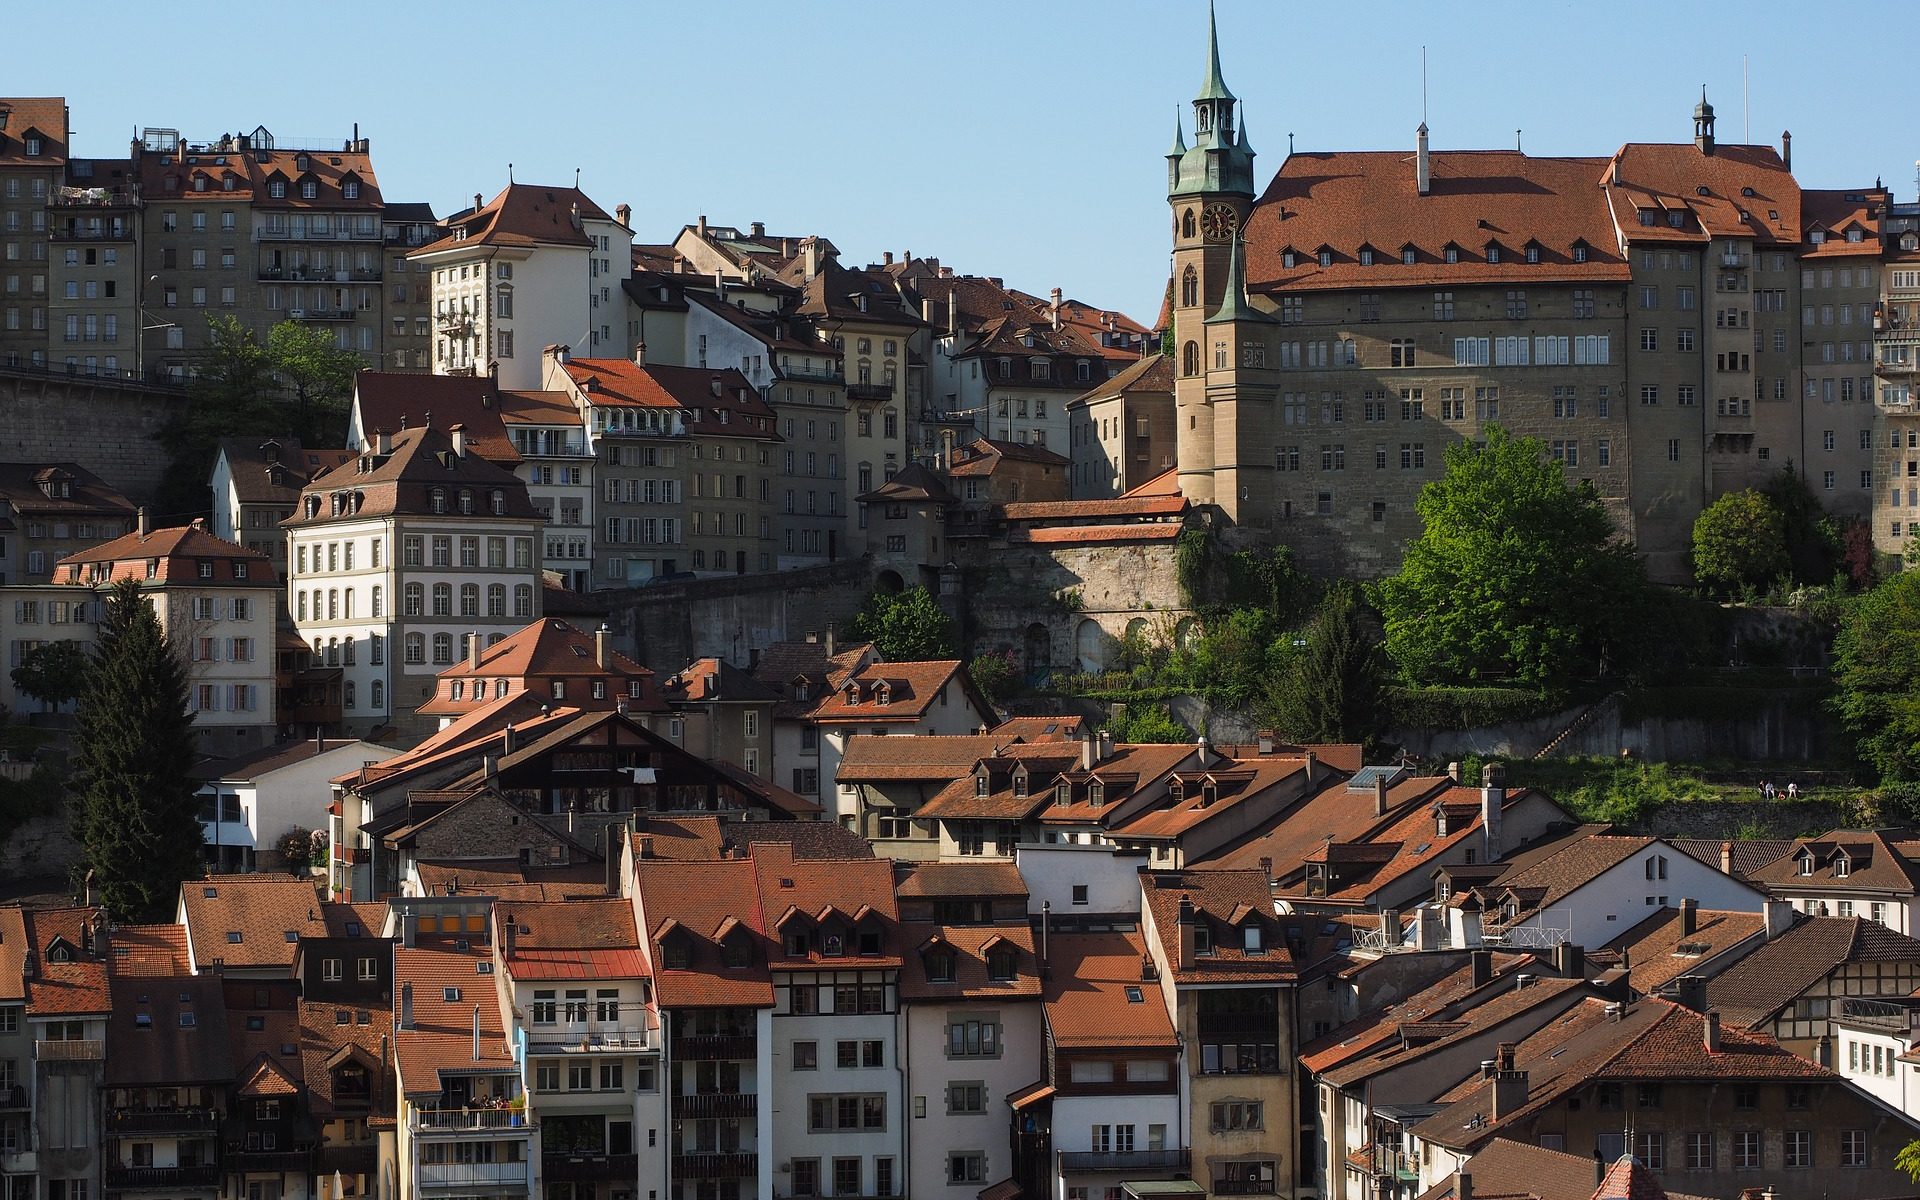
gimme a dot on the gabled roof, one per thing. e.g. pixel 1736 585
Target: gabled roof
pixel 692 900
pixel 1747 854
pixel 181 551
pixel 717 403
pixel 250 920
pixel 554 649
pixel 1064 727
pixel 961 879
pixel 272 470
pixel 1231 900
pixel 1711 188
pixel 1152 374
pixel 1753 990
pixel 911 689
pixel 389 401
pixel 874 759
pixel 45 117
pixel 87 494
pixel 522 215
pixel 912 484
pixel 981 457
pixel 1870 860
pixel 403 482
pixel 570 939
pixel 448 990
pixel 715 680
pixel 816 886
pixel 168 1030
pixel 1659 950
pixel 968 944
pixel 1557 876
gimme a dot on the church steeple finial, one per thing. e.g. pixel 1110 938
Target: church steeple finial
pixel 1215 87
pixel 1179 136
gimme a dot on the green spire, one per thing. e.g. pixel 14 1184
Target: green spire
pixel 1233 301
pixel 1179 137
pixel 1242 142
pixel 1215 88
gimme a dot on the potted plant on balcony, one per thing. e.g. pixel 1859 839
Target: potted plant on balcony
pixel 517 1109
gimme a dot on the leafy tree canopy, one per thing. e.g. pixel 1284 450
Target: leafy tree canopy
pixel 1876 676
pixel 1139 724
pixel 53 672
pixel 1516 574
pixel 906 626
pixel 1740 540
pixel 1331 688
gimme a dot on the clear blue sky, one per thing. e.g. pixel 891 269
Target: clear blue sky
pixel 1020 139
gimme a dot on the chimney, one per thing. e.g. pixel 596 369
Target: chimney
pixel 1380 794
pixel 382 442
pixel 406 1006
pixel 1503 1055
pixel 1056 308
pixel 507 739
pixel 1786 149
pixel 828 641
pixel 623 213
pixel 643 846
pixel 473 650
pixel 561 354
pixel 1571 960
pixel 1266 867
pixel 490 767
pixel 1453 771
pixel 1422 163
pixel 1726 858
pixel 145 524
pixel 1089 748
pixel 701 227
pixel 639 354
pixel 1264 740
pixel 810 256
pixel 1712 1033
pixel 1203 751
pixel 1390 931
pixel 1493 796
pixel 1462 1186
pixel 886 258
pixel 603 647
pixel 1509 1093
pixel 1106 744
pixel 476 1033
pixel 1778 918
pixel 1313 763
pixel 1046 935
pixel 476 202
pixel 1481 962
pixel 610 855
pixel 759 229
pixel 459 435
pixel 1689 916
pixel 1188 919
pixel 1691 992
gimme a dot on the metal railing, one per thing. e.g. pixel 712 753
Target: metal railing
pixel 123 1121
pixel 202 1175
pixel 468 1120
pixel 710 1047
pixel 716 1165
pixel 1125 1160
pixel 602 1041
pixel 702 1105
pixel 470 1175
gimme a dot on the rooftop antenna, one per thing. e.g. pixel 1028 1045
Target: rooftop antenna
pixel 576 178
pixel 509 174
pixel 1516 140
pixel 1423 85
pixel 1290 144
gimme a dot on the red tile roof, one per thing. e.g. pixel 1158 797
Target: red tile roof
pixel 1063 727
pixel 1753 990
pixel 858 890
pixel 570 939
pixel 1155 531
pixel 273 470
pixel 168 1030
pixel 871 758
pixel 45 116
pixel 1090 989
pixel 521 215
pixel 717 403
pixel 1353 200
pixel 442 1038
pixel 1709 188
pixel 696 900
pixel 1229 902
pixel 968 945
pixel 910 690
pixel 390 401
pixel 533 657
pixel 1657 951
pixel 181 551
pixel 268 913
pixel 36 487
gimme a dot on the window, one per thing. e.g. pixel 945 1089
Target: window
pixel 966 1099
pixel 1699 1152
pixel 1799 1148
pixel 973 1038
pixel 1233 1115
pixel 1746 1149
pixel 966 1167
pixel 1853 1147
pixel 1652 1150
pixel 806 1056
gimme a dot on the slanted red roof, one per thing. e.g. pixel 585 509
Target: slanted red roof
pixel 1090 992
pixel 522 215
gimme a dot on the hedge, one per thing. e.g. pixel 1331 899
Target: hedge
pixel 1468 707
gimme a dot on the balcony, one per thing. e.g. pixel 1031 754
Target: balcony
pixel 75 231
pixel 811 375
pixel 602 1041
pixel 561 1167
pixel 89 1050
pixel 321 314
pixel 306 235
pixel 1732 260
pixel 127 1122
pixel 466 1177
pixel 13 1099
pixel 716 1165
pixel 703 1105
pixel 94 197
pixel 153 1179
pixel 869 391
pixel 716 1047
pixel 1124 1160
pixel 348 1160
pixel 427 1122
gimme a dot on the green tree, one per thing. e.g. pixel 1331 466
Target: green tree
pixel 905 626
pixel 1138 724
pixel 1331 690
pixel 138 820
pixel 996 675
pixel 1876 676
pixel 52 673
pixel 297 383
pixel 1812 539
pixel 1516 575
pixel 1740 540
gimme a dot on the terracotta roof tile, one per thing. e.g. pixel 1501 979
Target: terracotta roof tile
pixel 1752 990
pixel 1659 952
pixel 148 950
pixel 168 1030
pixel 447 990
pixel 1119 506
pixel 948 879
pixel 716 402
pixel 1090 994
pixel 181 552
pixel 533 657
pixel 1229 901
pixel 968 945
pixel 261 477
pixel 571 939
pixel 694 900
pixel 422 462
pixel 1842 859
pixel 13 952
pixel 1153 531
pixel 390 401
pixel 521 214
pixel 250 920
pixel 43 115
pixel 331 1035
pixel 875 759
pixel 1051 728
pixel 86 493
pixel 894 691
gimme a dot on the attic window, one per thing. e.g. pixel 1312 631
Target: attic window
pixel 1649 217
pixel 1097 794
pixel 1579 252
pixel 143 1020
pixel 1135 995
pixel 450 994
pixel 483 968
pixel 1453 254
pixel 1000 965
pixel 1406 256
pixel 1202 940
pixel 980 784
pixel 353 929
pixel 1841 866
pixel 1854 235
pixel 1325 258
pixel 1366 256
pixel 1287 259
pixel 186 1020
pixel 1062 794
pixel 1747 191
pixel 342 1016
pixel 233 937
pixel 291 935
pixel 1533 254
pixel 210 893
pixel 939 967
pixel 1702 190
pixel 1493 253
pixel 1677 218
pixel 1817 236
pixel 1806 864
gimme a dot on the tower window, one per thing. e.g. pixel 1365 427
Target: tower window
pixel 1189 288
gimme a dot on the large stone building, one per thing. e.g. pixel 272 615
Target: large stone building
pixel 1636 313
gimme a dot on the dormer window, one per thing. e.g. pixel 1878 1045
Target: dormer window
pixel 1493 252
pixel 1677 218
pixel 438 499
pixel 794 944
pixel 350 189
pixel 277 189
pixel 1579 252
pixel 1407 256
pixel 1250 940
pixel 1020 783
pixel 1533 254
pixel 1325 257
pixel 1841 866
pixel 676 954
pixel 497 503
pixel 1097 794
pixel 1202 939
pixel 33 146
pixel 1366 256
pixel 1209 792
pixel 980 784
pixel 1000 964
pixel 1453 253
pixel 466 502
pixel 833 945
pixel 1806 863
pixel 1062 794
pixel 1854 235
pixel 939 965
pixel 737 953
pixel 1287 259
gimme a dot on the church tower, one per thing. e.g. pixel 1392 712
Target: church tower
pixel 1210 190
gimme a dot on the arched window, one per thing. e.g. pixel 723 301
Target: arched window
pixel 377 693
pixel 376 649
pixel 346 650
pixel 333 604
pixel 300 606
pixel 1189 288
pixel 499 687
pixel 498 500
pixel 349 695
pixel 376 600
pixel 497 600
pixel 442 648
pixel 469 599
pixel 439 500
pixel 349 605
pixel 442 599
pixel 416 600
pixel 416 648
pixel 523 600
pixel 1186 224
pixel 1190 359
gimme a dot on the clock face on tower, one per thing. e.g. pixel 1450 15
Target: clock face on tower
pixel 1218 222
